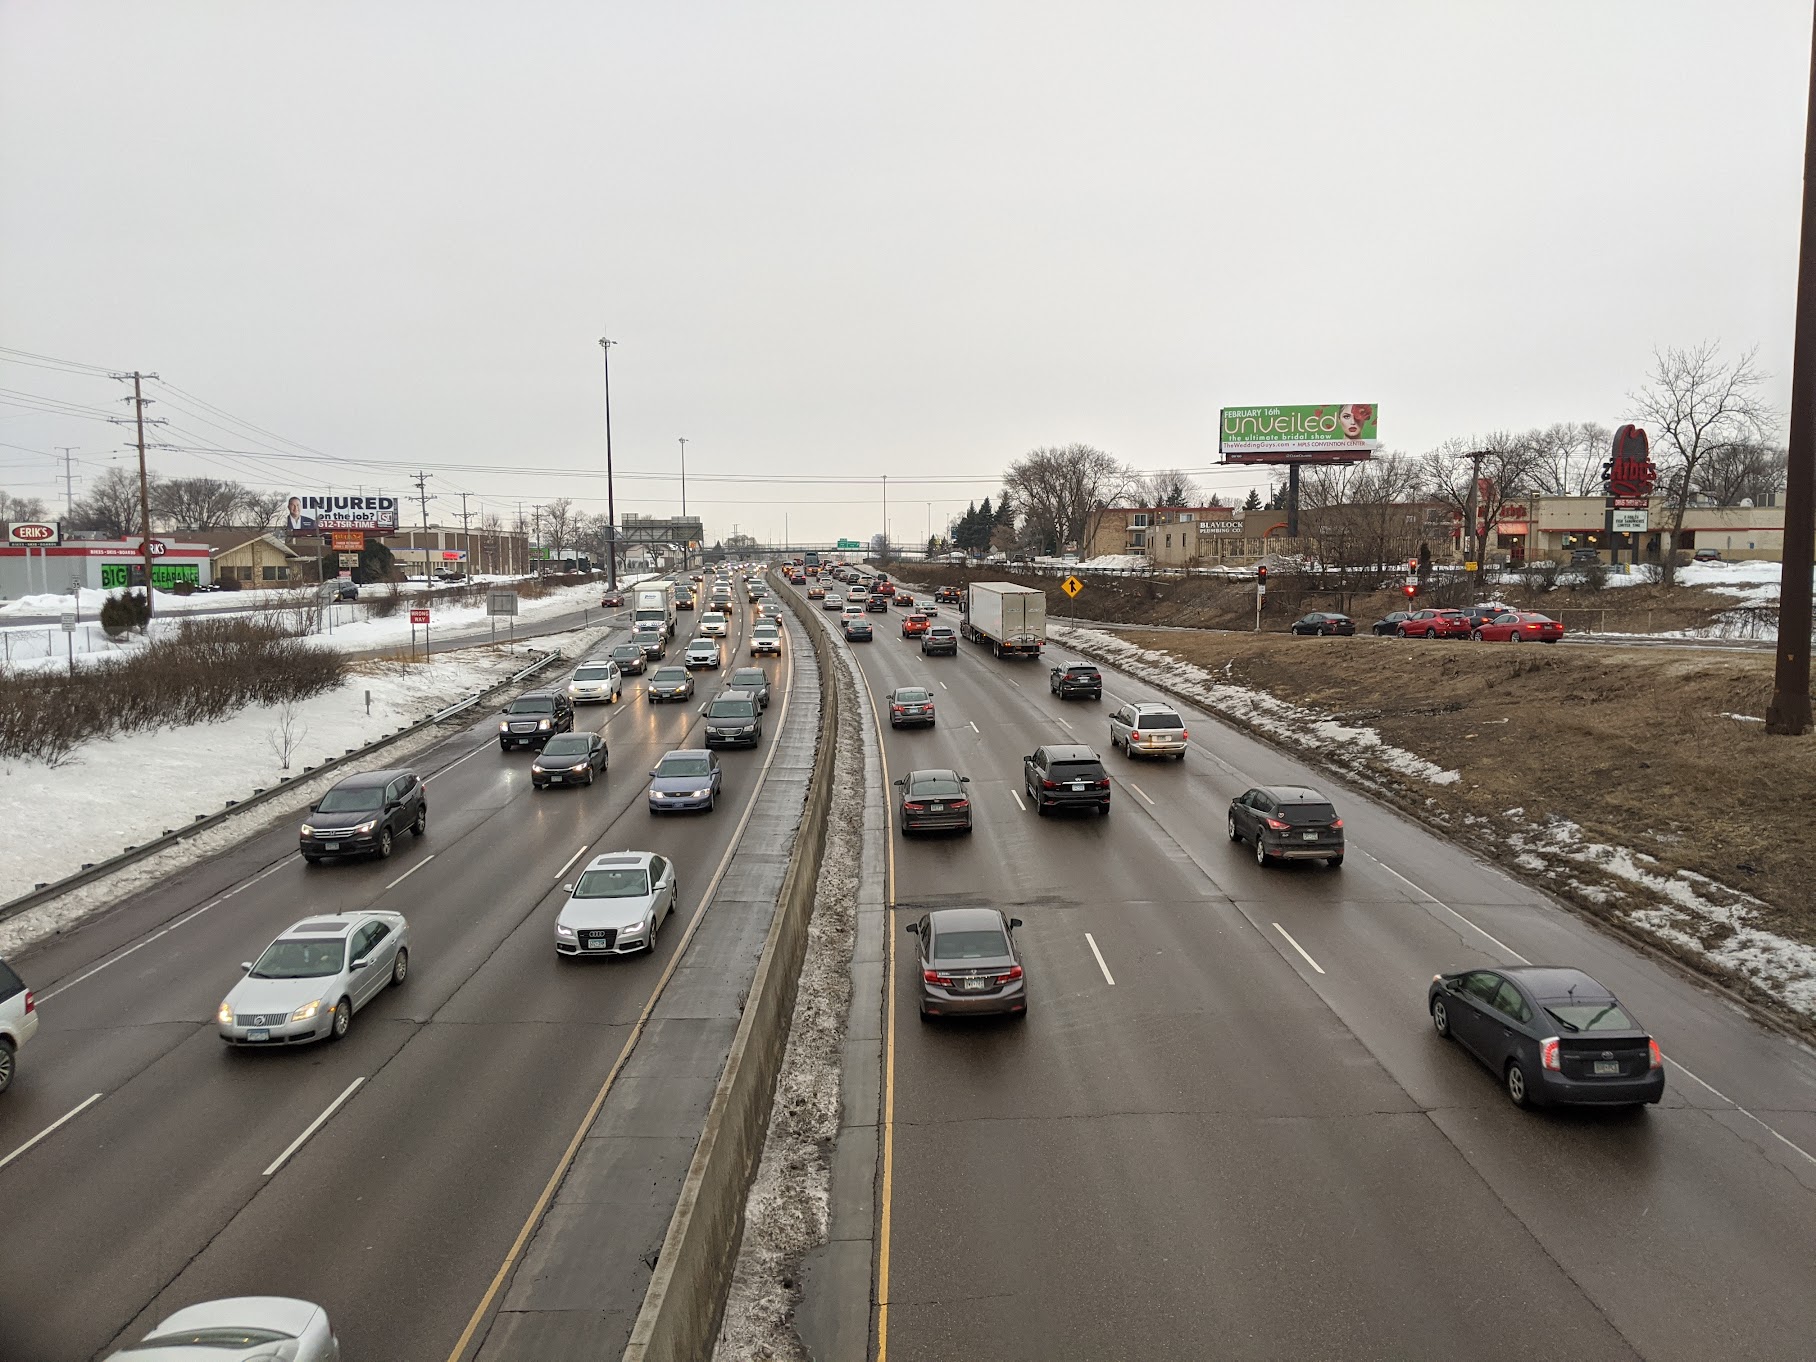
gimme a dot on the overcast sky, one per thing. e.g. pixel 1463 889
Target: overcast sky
pixel 844 240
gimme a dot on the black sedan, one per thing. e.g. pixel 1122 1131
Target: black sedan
pixel 1388 626
pixel 1551 1035
pixel 631 659
pixel 933 801
pixel 858 630
pixel 1080 679
pixel 752 680
pixel 569 759
pixel 1325 622
pixel 969 964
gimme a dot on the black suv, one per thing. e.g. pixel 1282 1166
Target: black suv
pixel 1066 775
pixel 1081 678
pixel 877 603
pixel 733 719
pixel 531 720
pixel 363 815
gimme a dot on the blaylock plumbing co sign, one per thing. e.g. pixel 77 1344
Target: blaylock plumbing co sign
pixel 1335 432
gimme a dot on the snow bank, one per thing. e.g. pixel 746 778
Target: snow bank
pixel 1354 747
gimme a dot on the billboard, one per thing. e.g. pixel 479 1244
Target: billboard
pixel 309 513
pixel 1331 431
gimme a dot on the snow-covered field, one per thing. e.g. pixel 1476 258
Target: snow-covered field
pixel 95 806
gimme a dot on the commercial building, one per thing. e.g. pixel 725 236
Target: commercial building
pixel 423 553
pixel 258 558
pixel 1181 536
pixel 1557 527
pixel 100 564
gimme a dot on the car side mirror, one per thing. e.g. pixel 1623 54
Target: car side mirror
pixel 898 781
pixel 567 888
pixel 315 807
pixel 913 929
pixel 1014 922
pixel 504 709
pixel 245 967
pixel 652 771
pixel 964 780
pixel 361 963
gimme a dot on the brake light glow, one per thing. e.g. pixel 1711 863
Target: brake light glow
pixel 1277 825
pixel 911 806
pixel 1335 823
pixel 1184 734
pixel 1656 1059
pixel 933 976
pixel 1549 1056
pixel 959 804
pixel 1134 735
pixel 1104 784
pixel 1049 784
pixel 31 1005
pixel 1014 973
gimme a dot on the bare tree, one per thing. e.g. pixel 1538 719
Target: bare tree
pixel 1697 406
pixel 1567 457
pixel 262 509
pixel 287 734
pixel 1364 514
pixel 198 503
pixel 558 516
pixel 491 528
pixel 111 505
pixel 20 508
pixel 1744 472
pixel 1487 474
pixel 1061 490
pixel 1167 487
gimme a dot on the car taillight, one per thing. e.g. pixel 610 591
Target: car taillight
pixel 910 806
pixel 958 804
pixel 1184 734
pixel 1655 1059
pixel 895 709
pixel 31 1005
pixel 933 976
pixel 1335 824
pixel 1014 972
pixel 1104 784
pixel 1134 735
pixel 1548 1054
pixel 1277 825
pixel 1049 784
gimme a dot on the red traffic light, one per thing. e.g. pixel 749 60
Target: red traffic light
pixel 1410 590
pixel 1261 574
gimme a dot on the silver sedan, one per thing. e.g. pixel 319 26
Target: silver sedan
pixel 241 1329
pixel 310 981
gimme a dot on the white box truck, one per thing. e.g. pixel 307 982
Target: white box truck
pixel 1011 619
pixel 654 602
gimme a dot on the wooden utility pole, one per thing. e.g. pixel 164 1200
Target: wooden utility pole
pixel 1477 534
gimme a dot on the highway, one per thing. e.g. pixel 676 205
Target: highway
pixel 1226 1128
pixel 441 1116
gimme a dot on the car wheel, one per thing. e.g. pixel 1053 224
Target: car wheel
pixel 1440 1019
pixel 384 843
pixel 1514 637
pixel 654 924
pixel 421 825
pixel 712 801
pixel 1103 809
pixel 925 1018
pixel 1260 850
pixel 1333 861
pixel 1039 808
pixel 1476 634
pixel 504 747
pixel 1517 1091
pixel 591 775
pixel 343 1020
pixel 311 859
pixel 400 968
pixel 6 1065
pixel 1235 834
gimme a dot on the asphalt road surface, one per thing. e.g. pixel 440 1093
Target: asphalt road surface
pixel 1226 1128
pixel 166 1187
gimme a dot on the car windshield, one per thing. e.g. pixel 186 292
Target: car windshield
pixel 731 709
pixel 984 945
pixel 1089 672
pixel 534 704
pixel 703 645
pixel 625 652
pixel 353 799
pixel 912 695
pixel 1307 815
pixel 597 672
pixel 935 787
pixel 749 676
pixel 226 1339
pixel 296 959
pixel 1600 1014
pixel 673 765
pixel 940 631
pixel 667 674
pixel 613 884
pixel 1162 721
pixel 567 745
pixel 1077 770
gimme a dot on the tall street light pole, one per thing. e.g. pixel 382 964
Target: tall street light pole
pixel 611 505
pixel 1789 711
pixel 683 440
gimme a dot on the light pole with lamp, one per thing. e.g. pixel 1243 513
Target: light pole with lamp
pixel 611 508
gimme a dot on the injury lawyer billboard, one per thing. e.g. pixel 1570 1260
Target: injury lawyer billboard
pixel 1336 432
pixel 309 513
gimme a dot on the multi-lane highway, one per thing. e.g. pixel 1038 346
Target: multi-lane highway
pixel 1226 1128
pixel 179 1177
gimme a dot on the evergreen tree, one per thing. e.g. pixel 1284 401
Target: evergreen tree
pixel 1254 501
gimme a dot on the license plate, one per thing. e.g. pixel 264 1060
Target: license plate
pixel 1078 785
pixel 974 985
pixel 554 780
pixel 596 946
pixel 1607 1067
pixel 331 846
pixel 936 808
pixel 261 1033
pixel 1309 836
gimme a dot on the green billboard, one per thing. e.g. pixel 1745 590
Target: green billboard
pixel 1333 431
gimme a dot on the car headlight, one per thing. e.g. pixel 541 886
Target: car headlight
pixel 307 1011
pixel 224 1014
pixel 702 794
pixel 562 930
pixel 748 728
pixel 308 831
pixel 583 766
pixel 504 726
pixel 367 826
pixel 542 723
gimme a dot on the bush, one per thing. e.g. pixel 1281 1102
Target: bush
pixel 207 669
pixel 382 605
pixel 127 611
pixel 1594 576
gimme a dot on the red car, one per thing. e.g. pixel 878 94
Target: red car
pixel 1435 624
pixel 903 599
pixel 913 624
pixel 1517 626
pixel 611 598
pixel 884 587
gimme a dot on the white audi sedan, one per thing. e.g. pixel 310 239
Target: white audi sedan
pixel 617 905
pixel 241 1329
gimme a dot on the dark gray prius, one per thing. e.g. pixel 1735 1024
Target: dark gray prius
pixel 969 965
pixel 1550 1035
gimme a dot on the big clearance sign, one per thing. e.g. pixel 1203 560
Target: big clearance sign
pixel 1335 431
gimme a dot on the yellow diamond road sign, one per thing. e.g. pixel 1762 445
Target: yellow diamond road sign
pixel 1072 586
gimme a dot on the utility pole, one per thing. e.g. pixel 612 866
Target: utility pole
pixel 1788 714
pixel 139 403
pixel 885 517
pixel 611 505
pixel 69 481
pixel 422 492
pixel 1475 457
pixel 683 440
pixel 466 535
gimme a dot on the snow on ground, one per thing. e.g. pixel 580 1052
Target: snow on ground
pixel 263 598
pixel 1354 747
pixel 1131 562
pixel 95 805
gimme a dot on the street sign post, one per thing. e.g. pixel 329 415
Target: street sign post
pixel 420 617
pixel 502 603
pixel 1072 586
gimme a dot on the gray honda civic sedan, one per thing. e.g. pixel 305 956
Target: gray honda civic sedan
pixel 969 965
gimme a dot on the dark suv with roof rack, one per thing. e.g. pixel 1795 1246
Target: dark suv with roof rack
pixel 363 815
pixel 533 718
pixel 1066 775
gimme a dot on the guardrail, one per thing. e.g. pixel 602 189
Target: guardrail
pixel 679 1321
pixel 45 892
